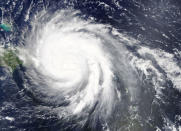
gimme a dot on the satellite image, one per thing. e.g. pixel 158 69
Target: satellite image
pixel 90 65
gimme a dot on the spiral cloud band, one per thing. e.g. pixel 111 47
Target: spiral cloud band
pixel 76 61
pixel 89 73
pixel 70 55
pixel 78 67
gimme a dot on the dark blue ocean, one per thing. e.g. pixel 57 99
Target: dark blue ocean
pixel 156 24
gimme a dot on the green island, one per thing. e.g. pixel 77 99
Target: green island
pixel 9 59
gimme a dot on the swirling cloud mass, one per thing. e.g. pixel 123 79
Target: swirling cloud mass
pixel 84 71
pixel 69 61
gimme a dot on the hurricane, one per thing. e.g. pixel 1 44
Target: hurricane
pixel 68 68
pixel 74 64
pixel 69 56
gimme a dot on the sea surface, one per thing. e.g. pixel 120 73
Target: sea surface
pixel 149 80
